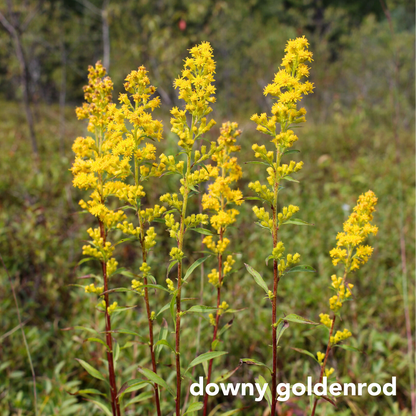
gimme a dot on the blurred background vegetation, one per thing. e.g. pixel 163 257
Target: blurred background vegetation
pixel 359 136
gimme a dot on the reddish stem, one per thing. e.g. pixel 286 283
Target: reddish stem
pixel 115 405
pixel 328 349
pixel 217 320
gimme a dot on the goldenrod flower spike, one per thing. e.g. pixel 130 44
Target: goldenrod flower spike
pixel 100 163
pixel 287 90
pixel 221 194
pixel 352 253
pixel 196 88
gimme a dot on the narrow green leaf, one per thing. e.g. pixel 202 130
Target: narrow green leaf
pixel 156 287
pixel 171 264
pixel 100 341
pixel 226 327
pixel 226 375
pixel 232 412
pixel 281 327
pixel 288 152
pixel 90 391
pixel 251 361
pixel 260 380
pixel 90 369
pixel 297 319
pixel 257 278
pixel 102 406
pixel 203 231
pixel 194 266
pixel 166 343
pixel 193 407
pixel 205 357
pixel 163 334
pixel 305 352
pixel 163 309
pixel 289 178
pixel 301 268
pixel 82 328
pixel 172 309
pixel 132 385
pixel 201 309
pixel 140 398
pixel 156 379
pixel 297 221
pixel 253 198
pixel 85 260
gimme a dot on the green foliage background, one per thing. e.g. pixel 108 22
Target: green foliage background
pixel 348 145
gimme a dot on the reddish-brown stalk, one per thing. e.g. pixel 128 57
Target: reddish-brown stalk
pixel 115 405
pixel 328 350
pixel 217 320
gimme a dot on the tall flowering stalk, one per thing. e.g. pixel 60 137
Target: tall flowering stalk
pixel 136 111
pixel 97 167
pixel 352 253
pixel 197 90
pixel 218 199
pixel 286 89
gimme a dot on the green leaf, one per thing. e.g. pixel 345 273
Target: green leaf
pixel 164 342
pixel 253 198
pixel 194 266
pixel 171 264
pixel 281 327
pixel 203 231
pixel 201 309
pixel 232 412
pixel 226 327
pixel 102 406
pixel 257 278
pixel 226 375
pixel 260 380
pixel 297 221
pixel 126 239
pixel 163 334
pixel 163 309
pixel 83 328
pixel 156 379
pixel 140 398
pixel 256 162
pixel 251 361
pixel 127 332
pixel 305 352
pixel 205 357
pixel 156 287
pixel 289 178
pixel 297 319
pixel 288 152
pixel 301 268
pixel 90 391
pixel 91 370
pixel 132 385
pixel 348 348
pixel 193 407
pixel 100 341
pixel 85 260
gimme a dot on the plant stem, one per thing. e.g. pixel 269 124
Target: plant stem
pixel 24 338
pixel 217 320
pixel 328 349
pixel 115 405
pixel 178 294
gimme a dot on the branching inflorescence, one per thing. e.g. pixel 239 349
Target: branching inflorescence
pixel 287 90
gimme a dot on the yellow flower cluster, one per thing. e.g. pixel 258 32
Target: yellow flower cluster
pixel 216 247
pixel 196 88
pixel 195 220
pixel 176 254
pixel 170 285
pixel 287 213
pixel 343 293
pixel 137 285
pixel 349 249
pixel 340 336
pixel 98 249
pixel 325 320
pixel 223 307
pixel 94 289
pixel 113 307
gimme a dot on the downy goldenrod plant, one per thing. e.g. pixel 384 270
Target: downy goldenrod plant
pixel 221 198
pixel 351 252
pixel 98 167
pixel 136 108
pixel 197 90
pixel 287 89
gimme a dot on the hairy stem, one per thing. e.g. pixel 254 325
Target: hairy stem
pixel 115 405
pixel 217 320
